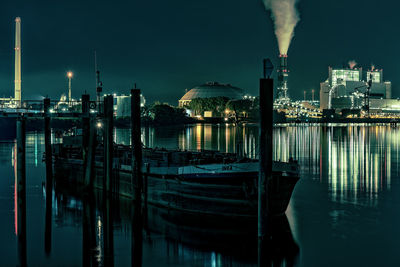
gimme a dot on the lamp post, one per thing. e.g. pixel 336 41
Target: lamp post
pixel 313 94
pixel 69 75
pixel 304 95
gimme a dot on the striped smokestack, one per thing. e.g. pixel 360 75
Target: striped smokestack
pixel 17 81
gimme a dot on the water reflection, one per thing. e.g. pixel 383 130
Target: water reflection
pixel 354 160
pixel 179 239
pixel 356 164
pixel 222 137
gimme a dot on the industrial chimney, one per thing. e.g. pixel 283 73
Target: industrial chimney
pixel 17 81
pixel 283 75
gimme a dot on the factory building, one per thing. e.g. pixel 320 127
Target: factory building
pixel 122 105
pixel 346 88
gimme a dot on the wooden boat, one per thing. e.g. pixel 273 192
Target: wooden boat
pixel 202 182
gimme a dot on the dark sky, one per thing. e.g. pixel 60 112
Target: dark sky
pixel 167 46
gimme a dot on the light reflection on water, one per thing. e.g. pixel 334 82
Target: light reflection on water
pixel 348 175
pixel 352 160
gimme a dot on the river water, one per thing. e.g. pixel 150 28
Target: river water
pixel 343 211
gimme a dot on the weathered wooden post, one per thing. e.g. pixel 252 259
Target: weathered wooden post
pixel 108 233
pixel 137 180
pixel 146 182
pixel 88 232
pixel 85 124
pixel 107 181
pixel 47 139
pixel 136 145
pixel 137 236
pixel 49 176
pixel 88 141
pixel 89 159
pixel 21 191
pixel 108 143
pixel 265 175
pixel 21 171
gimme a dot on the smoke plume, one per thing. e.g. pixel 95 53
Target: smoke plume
pixel 285 17
pixel 352 64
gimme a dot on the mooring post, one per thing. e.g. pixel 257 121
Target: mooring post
pixel 21 190
pixel 136 145
pixel 85 125
pixel 88 137
pixel 49 176
pixel 108 233
pixel 146 182
pixel 265 175
pixel 47 139
pixel 108 143
pixel 91 150
pixel 21 171
pixel 88 232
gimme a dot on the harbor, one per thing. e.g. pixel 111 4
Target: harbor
pixel 204 134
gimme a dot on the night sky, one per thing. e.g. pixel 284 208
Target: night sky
pixel 168 46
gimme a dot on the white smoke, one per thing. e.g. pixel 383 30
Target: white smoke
pixel 352 64
pixel 285 16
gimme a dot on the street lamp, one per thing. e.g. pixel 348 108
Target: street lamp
pixel 69 75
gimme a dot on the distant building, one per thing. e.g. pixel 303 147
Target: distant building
pixel 211 89
pixel 345 87
pixel 122 105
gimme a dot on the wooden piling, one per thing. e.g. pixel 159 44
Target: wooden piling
pixel 47 139
pixel 89 232
pixel 89 159
pixel 88 141
pixel 108 143
pixel 265 175
pixel 136 145
pixel 21 171
pixel 21 191
pixel 108 233
pixel 85 124
pixel 146 182
pixel 49 176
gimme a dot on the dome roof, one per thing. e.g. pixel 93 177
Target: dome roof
pixel 213 89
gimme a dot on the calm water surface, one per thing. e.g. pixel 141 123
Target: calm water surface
pixel 343 212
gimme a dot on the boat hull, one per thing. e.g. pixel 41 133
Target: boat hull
pixel 197 194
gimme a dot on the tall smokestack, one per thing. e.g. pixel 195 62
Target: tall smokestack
pixel 283 75
pixel 17 81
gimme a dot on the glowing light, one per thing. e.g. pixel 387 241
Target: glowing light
pixel 99 125
pixel 70 74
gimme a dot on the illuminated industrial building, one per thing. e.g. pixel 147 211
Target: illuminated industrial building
pixel 122 105
pixel 211 89
pixel 347 88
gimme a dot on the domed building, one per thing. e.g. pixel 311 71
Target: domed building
pixel 211 89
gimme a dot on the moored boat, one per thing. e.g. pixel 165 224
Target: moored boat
pixel 202 182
